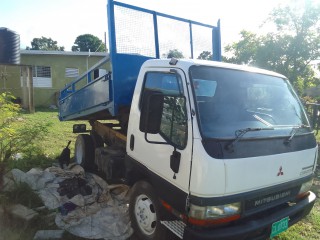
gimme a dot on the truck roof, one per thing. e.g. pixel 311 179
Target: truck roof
pixel 186 63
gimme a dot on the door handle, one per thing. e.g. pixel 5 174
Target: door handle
pixel 131 142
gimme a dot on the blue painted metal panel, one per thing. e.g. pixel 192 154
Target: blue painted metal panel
pixel 111 29
pixel 76 104
pixel 125 70
pixel 156 35
pixel 216 43
pixel 191 39
pixel 125 67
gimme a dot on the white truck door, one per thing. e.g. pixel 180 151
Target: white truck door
pixel 156 157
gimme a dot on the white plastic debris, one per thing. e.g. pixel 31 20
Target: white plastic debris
pixel 87 206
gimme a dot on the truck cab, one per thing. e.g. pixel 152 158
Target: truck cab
pixel 227 149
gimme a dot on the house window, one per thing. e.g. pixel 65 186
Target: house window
pixel 41 77
pixel 42 71
pixel 72 72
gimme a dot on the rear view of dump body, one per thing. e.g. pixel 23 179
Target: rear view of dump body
pixel 135 35
pixel 104 96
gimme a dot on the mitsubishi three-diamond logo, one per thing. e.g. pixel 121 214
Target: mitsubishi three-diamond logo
pixel 280 173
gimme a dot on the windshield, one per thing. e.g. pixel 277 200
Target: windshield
pixel 230 100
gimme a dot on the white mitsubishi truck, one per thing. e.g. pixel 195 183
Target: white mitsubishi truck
pixel 211 150
pixel 227 149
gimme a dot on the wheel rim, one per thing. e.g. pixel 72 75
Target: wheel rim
pixel 145 214
pixel 78 152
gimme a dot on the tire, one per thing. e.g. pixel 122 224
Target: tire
pixel 84 151
pixel 144 211
pixel 96 139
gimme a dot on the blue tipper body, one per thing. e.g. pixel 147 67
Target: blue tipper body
pixel 102 97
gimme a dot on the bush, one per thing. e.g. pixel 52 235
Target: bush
pixel 17 138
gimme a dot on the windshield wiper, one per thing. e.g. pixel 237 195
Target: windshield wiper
pixel 240 133
pixel 294 131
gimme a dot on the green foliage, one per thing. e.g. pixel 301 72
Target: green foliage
pixel 8 110
pixel 205 55
pixel 175 53
pixel 36 159
pixel 244 51
pixel 86 42
pixel 44 44
pixel 8 114
pixel 45 149
pixel 17 136
pixel 289 49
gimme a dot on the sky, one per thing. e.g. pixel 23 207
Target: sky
pixel 64 20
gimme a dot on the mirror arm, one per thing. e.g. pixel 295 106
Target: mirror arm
pixel 153 142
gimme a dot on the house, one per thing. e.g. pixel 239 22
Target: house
pixel 52 70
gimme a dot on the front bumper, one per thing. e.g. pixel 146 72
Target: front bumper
pixel 259 228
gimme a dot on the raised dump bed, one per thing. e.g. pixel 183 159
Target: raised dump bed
pixel 88 98
pixel 135 35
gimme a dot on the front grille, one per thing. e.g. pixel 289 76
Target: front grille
pixel 268 199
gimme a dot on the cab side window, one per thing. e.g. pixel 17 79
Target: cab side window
pixel 174 119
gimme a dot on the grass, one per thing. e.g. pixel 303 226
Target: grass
pixel 46 152
pixel 50 148
pixel 59 133
pixel 309 227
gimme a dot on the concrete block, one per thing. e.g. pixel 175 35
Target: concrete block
pixel 8 182
pixel 48 234
pixel 23 213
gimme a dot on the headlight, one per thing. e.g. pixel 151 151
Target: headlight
pixel 214 212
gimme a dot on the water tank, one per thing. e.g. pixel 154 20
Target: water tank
pixel 9 47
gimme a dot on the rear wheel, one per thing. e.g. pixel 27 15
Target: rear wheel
pixel 145 210
pixel 97 140
pixel 84 151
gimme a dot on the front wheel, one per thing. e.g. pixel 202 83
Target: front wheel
pixel 144 210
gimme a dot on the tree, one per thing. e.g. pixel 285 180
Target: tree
pixel 289 49
pixel 86 42
pixel 205 55
pixel 244 51
pixel 45 44
pixel 175 53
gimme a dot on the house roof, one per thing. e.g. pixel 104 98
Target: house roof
pixel 63 53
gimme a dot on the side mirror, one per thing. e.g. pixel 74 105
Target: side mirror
pixel 151 112
pixel 175 161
